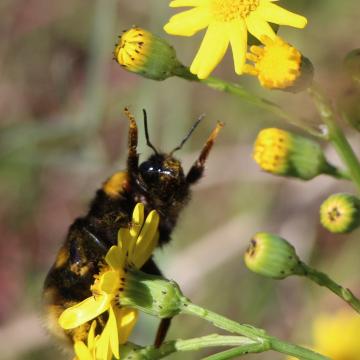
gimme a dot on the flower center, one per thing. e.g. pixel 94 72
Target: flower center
pixel 277 64
pixel 228 10
pixel 108 282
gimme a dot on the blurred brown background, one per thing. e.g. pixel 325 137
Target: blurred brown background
pixel 62 132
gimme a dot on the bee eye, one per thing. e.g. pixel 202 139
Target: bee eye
pixel 149 168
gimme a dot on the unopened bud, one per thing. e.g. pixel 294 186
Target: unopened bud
pixel 272 256
pixel 146 54
pixel 340 213
pixel 151 294
pixel 352 65
pixel 283 153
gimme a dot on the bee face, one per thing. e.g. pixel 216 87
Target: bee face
pixel 160 176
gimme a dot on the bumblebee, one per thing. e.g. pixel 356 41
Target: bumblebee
pixel 159 183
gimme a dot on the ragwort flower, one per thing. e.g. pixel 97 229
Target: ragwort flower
pixel 336 335
pixel 135 246
pixel 228 21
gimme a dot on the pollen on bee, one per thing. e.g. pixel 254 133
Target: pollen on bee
pixel 114 185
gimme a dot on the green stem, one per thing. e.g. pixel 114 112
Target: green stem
pixel 239 91
pixel 339 174
pixel 258 335
pixel 324 280
pixel 213 340
pixel 238 351
pixel 335 133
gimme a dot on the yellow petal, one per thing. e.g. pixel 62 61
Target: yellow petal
pixel 183 3
pixel 82 352
pixel 258 27
pixel 126 320
pixel 84 311
pixel 188 22
pixel 114 258
pixel 137 219
pixel 238 41
pixel 109 281
pixel 124 242
pixel 146 241
pixel 212 50
pixel 91 335
pixel 278 15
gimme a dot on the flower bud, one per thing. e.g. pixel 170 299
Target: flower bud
pixel 272 256
pixel 151 294
pixel 349 107
pixel 340 213
pixel 278 65
pixel 352 65
pixel 146 54
pixel 283 153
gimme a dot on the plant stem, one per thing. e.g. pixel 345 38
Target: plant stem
pixel 335 133
pixel 239 91
pixel 324 280
pixel 258 335
pixel 237 351
pixel 213 340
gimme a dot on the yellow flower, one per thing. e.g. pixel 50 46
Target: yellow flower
pixel 277 64
pixel 135 246
pixel 336 335
pixel 87 352
pixel 228 22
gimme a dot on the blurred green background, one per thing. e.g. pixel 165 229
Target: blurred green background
pixel 62 132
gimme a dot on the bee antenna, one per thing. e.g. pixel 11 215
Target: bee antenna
pixel 148 143
pixel 197 122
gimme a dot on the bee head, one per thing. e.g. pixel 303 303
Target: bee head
pixel 161 175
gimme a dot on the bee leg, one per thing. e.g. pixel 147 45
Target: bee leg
pixel 151 268
pixel 133 156
pixel 196 171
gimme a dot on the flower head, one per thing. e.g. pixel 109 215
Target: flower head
pixel 144 53
pixel 135 246
pixel 227 22
pixel 277 64
pixel 283 153
pixel 272 256
pixel 340 213
pixel 337 335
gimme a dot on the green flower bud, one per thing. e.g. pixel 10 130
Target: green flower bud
pixel 340 213
pixel 151 294
pixel 352 65
pixel 349 107
pixel 146 54
pixel 272 256
pixel 283 153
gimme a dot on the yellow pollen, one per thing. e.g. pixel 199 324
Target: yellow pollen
pixel 229 10
pixel 277 65
pixel 271 150
pixel 132 49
